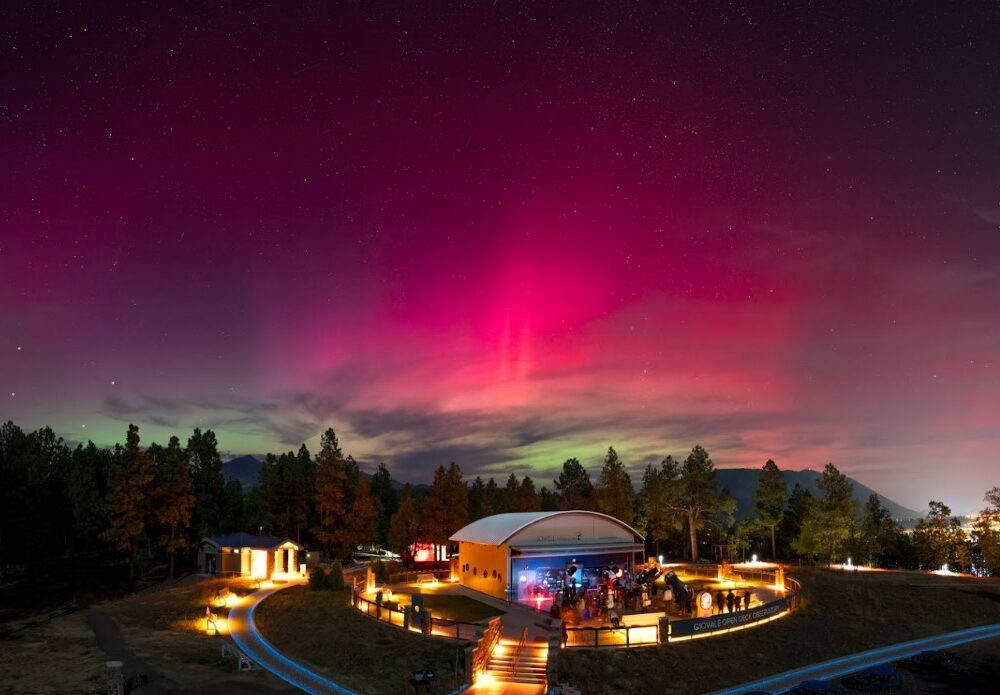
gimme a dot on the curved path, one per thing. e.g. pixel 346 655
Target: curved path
pixel 844 665
pixel 252 643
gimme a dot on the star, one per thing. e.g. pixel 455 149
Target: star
pixel 112 382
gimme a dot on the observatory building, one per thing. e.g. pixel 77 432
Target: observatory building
pixel 530 556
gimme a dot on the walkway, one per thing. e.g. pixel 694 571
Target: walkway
pixel 842 666
pixel 515 619
pixel 252 643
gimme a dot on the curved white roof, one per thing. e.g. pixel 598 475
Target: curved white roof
pixel 500 528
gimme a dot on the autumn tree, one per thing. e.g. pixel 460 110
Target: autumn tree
pixel 128 497
pixel 574 487
pixel 615 496
pixel 172 497
pixel 332 504
pixel 362 524
pixel 770 501
pixel 445 506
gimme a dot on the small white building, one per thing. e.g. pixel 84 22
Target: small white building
pixel 247 555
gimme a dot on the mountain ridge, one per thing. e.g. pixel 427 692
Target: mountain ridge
pixel 741 483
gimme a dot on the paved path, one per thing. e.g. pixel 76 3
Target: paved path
pixel 247 638
pixel 842 666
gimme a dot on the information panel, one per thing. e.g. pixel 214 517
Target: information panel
pixel 726 621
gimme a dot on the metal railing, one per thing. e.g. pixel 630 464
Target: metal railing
pixel 640 635
pixel 440 627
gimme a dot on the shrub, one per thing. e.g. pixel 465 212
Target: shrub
pixel 318 579
pixel 381 571
pixel 336 577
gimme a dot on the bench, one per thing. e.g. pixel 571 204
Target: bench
pixel 243 662
pixel 426 578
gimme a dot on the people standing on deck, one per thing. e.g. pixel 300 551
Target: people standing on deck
pixel 746 599
pixel 730 599
pixel 720 601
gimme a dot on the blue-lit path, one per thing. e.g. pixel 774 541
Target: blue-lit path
pixel 245 635
pixel 844 665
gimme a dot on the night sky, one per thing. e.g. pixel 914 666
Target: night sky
pixel 509 234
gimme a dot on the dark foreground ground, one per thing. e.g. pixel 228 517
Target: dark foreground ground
pixel 841 613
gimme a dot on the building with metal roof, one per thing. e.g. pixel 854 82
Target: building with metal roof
pixel 530 556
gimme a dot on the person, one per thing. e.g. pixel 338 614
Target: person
pixel 720 601
pixel 746 600
pixel 730 599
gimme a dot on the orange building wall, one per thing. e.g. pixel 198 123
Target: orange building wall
pixel 483 568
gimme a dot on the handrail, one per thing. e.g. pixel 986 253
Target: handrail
pixel 517 651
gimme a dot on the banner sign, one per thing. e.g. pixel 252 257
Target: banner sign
pixel 727 621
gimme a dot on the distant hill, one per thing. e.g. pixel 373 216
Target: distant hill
pixel 245 469
pixel 742 484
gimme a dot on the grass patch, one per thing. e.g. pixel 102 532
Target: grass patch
pixel 841 613
pixel 321 629
pixel 460 608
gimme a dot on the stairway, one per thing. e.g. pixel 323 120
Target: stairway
pixel 530 667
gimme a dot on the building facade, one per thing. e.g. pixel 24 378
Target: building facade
pixel 530 556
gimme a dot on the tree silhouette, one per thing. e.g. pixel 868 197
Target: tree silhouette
pixel 574 487
pixel 404 527
pixel 615 496
pixel 694 494
pixel 128 498
pixel 173 497
pixel 445 507
pixel 770 501
pixel 332 504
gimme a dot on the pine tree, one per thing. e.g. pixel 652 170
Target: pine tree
pixel 361 524
pixel 694 493
pixel 404 527
pixel 615 496
pixel 445 507
pixel 206 464
pixel 830 524
pixel 938 537
pixel 128 501
pixel 173 497
pixel 386 502
pixel 772 494
pixel 332 504
pixel 526 499
pixel 656 517
pixel 509 494
pixel 987 531
pixel 477 500
pixel 574 487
